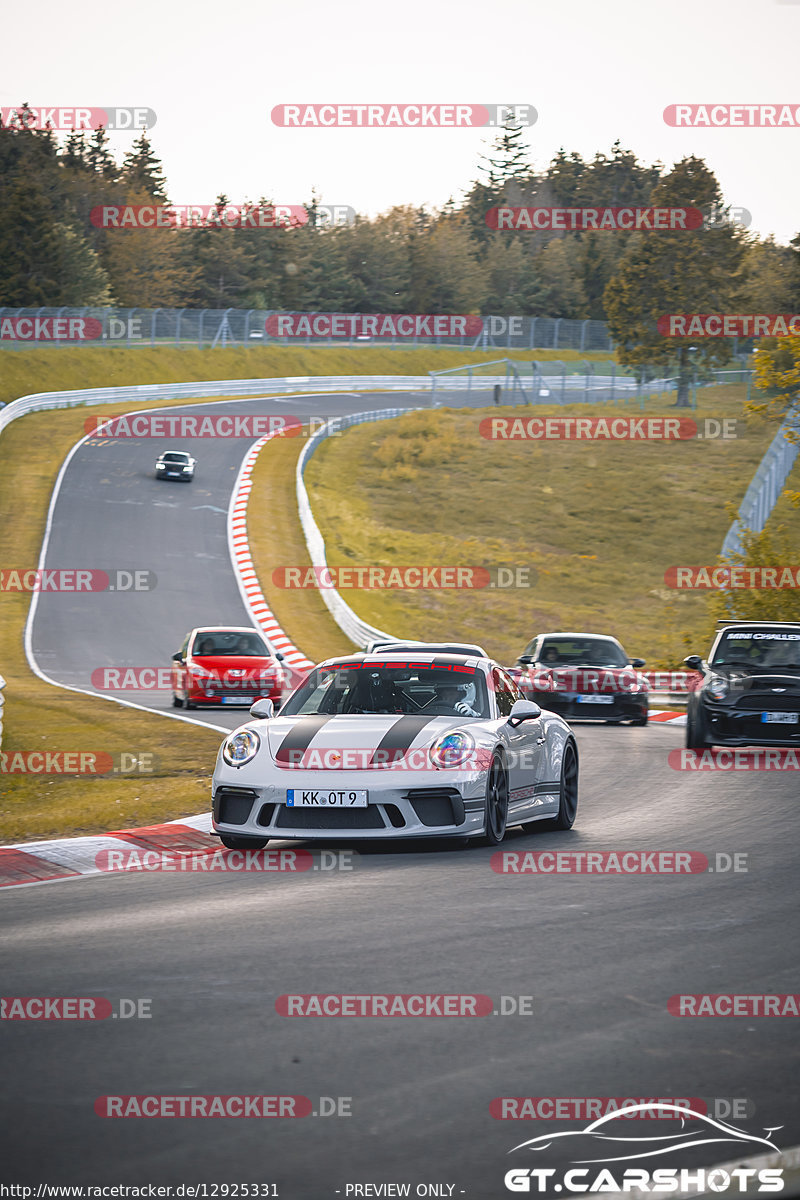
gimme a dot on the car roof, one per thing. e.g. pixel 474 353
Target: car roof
pixel 469 648
pixel 595 637
pixel 723 625
pixel 173 450
pixel 430 658
pixel 227 629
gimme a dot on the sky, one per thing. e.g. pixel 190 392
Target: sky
pixel 594 70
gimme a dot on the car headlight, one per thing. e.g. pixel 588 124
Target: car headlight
pixel 241 747
pixel 452 750
pixel 717 687
pixel 159 466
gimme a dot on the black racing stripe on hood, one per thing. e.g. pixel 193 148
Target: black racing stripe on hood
pixel 397 740
pixel 300 737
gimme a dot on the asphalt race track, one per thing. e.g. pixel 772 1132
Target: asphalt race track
pixel 113 513
pixel 596 957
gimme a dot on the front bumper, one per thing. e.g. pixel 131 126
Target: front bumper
pixel 624 706
pixel 734 726
pixel 432 804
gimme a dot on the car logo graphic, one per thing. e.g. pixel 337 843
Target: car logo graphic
pixel 713 1131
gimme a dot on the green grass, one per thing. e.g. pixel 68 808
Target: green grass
pixel 597 523
pixel 47 369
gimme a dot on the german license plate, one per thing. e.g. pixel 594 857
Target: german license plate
pixel 779 718
pixel 325 798
pixel 594 699
pixel 238 699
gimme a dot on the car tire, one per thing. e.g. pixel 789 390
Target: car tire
pixel 696 730
pixel 567 792
pixel 496 801
pixel 242 843
pixel 176 701
pixel 641 720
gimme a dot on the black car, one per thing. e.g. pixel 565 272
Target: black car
pixel 750 694
pixel 175 464
pixel 583 676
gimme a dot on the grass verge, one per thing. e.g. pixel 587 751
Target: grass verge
pixel 47 370
pixel 597 523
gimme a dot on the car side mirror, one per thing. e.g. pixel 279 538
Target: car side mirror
pixel 525 658
pixel 638 663
pixel 523 710
pixel 263 709
pixel 177 656
pixel 280 657
pixel 694 662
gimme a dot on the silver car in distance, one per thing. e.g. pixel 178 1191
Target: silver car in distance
pixel 396 745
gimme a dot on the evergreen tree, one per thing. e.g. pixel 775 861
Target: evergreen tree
pixel 675 271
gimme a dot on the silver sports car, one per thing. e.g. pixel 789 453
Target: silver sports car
pixel 399 745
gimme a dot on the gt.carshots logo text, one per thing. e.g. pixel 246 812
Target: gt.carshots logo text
pixel 400 116
pixel 615 219
pixel 71 117
pixel 603 1149
pixel 402 1004
pixel 743 325
pixel 379 325
pixel 729 116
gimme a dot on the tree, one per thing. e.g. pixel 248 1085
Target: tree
pixel 675 271
pixel 142 171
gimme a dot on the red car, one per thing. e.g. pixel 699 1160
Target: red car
pixel 225 665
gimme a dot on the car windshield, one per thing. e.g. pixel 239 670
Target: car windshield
pixel 577 652
pixel 228 643
pixel 758 648
pixel 175 457
pixel 391 688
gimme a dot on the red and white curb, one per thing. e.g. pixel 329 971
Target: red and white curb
pixel 260 612
pixel 67 858
pixel 667 718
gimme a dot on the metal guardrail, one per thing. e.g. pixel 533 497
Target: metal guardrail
pixel 765 489
pixel 359 632
pixel 40 401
